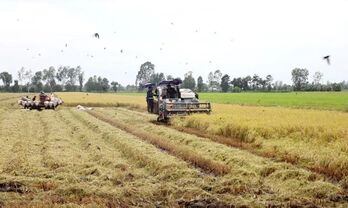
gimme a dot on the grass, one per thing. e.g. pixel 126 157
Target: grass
pixel 308 100
pixel 113 156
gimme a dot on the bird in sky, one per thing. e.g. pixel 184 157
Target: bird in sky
pixel 121 51
pixel 172 23
pixel 66 45
pixel 104 48
pixel 39 54
pixel 96 35
pixel 327 59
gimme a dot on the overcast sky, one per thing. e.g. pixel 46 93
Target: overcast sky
pixel 238 37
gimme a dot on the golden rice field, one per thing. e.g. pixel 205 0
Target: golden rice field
pixel 117 156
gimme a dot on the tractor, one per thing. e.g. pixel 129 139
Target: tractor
pixel 170 100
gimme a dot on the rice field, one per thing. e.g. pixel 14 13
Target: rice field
pixel 116 155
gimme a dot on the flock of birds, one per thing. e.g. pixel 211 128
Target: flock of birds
pixel 96 35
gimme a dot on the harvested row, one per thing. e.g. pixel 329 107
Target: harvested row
pixel 179 151
pixel 280 178
pixel 169 178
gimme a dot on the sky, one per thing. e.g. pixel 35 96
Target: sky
pixel 239 38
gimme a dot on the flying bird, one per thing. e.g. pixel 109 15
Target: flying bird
pixel 39 54
pixel 121 51
pixel 104 48
pixel 327 59
pixel 96 35
pixel 160 49
pixel 66 45
pixel 136 57
pixel 172 23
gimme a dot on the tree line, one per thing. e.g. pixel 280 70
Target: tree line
pixel 219 82
pixel 71 79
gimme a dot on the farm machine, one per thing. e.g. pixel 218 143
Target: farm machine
pixel 170 100
pixel 42 101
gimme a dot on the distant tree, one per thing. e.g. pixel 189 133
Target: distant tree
pixel 49 75
pixel 217 79
pixel 36 81
pixel 317 77
pixel 62 75
pixel 200 84
pixel 105 85
pixel 268 82
pixel 145 73
pixel 299 78
pixel 189 82
pixel 156 78
pixel 237 83
pixel 114 86
pixel 97 84
pixel 81 77
pixel 90 85
pixel 28 74
pixel 255 80
pixel 211 80
pixel 15 87
pixel 169 77
pixel 246 83
pixel 6 79
pixel 225 83
pixel 21 77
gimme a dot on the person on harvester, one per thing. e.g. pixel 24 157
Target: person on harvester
pixel 149 100
pixel 171 91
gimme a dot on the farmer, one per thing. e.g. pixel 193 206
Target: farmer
pixel 149 100
pixel 171 91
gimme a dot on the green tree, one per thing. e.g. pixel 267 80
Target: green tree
pixel 15 87
pixel 156 78
pixel 268 82
pixel 147 69
pixel 114 86
pixel 200 84
pixel 81 77
pixel 36 81
pixel 217 79
pixel 49 75
pixel 211 80
pixel 225 83
pixel 189 82
pixel 299 78
pixel 6 79
pixel 317 77
pixel 62 75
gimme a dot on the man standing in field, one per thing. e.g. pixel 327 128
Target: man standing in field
pixel 149 100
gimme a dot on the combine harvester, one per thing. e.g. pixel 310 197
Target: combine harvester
pixel 170 100
pixel 43 102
